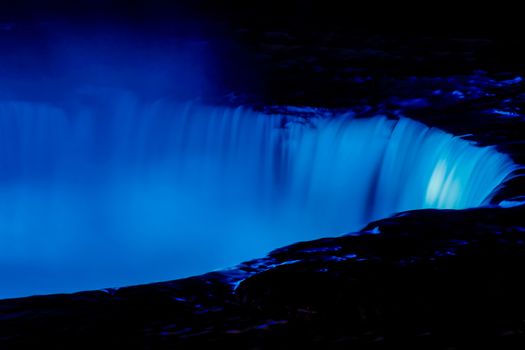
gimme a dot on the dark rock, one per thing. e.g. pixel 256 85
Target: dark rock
pixel 430 279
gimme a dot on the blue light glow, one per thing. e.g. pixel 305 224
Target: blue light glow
pixel 114 191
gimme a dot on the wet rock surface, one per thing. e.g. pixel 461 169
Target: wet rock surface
pixel 423 279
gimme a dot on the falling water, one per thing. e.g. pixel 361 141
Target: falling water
pixel 110 191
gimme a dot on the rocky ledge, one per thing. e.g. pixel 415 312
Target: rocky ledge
pixel 424 279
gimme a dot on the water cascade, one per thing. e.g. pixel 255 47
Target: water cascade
pixel 112 191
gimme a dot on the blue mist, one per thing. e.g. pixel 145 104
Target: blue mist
pixel 109 191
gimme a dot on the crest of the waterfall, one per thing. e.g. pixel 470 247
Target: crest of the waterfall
pixel 348 170
pixel 116 191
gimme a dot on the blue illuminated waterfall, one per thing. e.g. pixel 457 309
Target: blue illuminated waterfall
pixel 113 191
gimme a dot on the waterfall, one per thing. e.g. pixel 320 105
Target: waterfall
pixel 108 190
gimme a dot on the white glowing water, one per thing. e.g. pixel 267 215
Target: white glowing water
pixel 106 193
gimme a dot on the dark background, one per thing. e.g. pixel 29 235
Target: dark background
pixel 430 17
